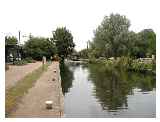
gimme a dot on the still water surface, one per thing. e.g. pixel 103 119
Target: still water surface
pixel 93 91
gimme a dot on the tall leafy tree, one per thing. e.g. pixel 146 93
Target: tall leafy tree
pixel 142 44
pixel 110 37
pixel 83 53
pixel 147 41
pixel 11 40
pixel 11 47
pixel 37 47
pixel 113 39
pixel 63 39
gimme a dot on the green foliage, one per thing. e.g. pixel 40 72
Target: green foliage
pixel 92 59
pixel 142 44
pixel 123 62
pixel 11 40
pixel 64 42
pixel 136 66
pixel 29 60
pixel 19 63
pixel 126 63
pixel 113 39
pixel 83 53
pixel 37 47
pixel 110 38
pixel 147 42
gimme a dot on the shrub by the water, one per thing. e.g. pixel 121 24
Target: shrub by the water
pixel 19 63
pixel 123 62
pixel 137 66
pixel 126 63
pixel 29 60
pixel 92 60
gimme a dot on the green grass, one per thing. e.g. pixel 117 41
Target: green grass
pixel 16 92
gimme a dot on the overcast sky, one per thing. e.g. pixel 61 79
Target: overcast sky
pixel 81 17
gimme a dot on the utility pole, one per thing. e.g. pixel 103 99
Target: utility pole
pixel 88 44
pixel 19 36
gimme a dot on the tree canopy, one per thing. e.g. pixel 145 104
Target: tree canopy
pixel 63 40
pixel 37 47
pixel 112 38
pixel 11 40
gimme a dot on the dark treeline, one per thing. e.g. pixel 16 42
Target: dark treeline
pixel 113 38
pixel 60 44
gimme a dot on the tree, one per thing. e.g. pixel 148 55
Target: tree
pixel 11 48
pixel 113 39
pixel 37 47
pixel 64 42
pixel 110 38
pixel 11 40
pixel 142 44
pixel 147 40
pixel 133 48
pixel 83 53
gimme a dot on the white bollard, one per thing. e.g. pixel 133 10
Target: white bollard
pixel 49 104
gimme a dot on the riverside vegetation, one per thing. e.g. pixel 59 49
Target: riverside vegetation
pixel 126 63
pixel 116 46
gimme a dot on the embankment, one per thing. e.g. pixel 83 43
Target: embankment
pixel 47 87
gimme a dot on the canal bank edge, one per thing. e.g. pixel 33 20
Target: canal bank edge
pixel 61 94
pixel 47 87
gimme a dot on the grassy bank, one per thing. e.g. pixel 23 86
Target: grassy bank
pixel 126 63
pixel 15 93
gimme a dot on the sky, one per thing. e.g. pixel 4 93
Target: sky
pixel 81 17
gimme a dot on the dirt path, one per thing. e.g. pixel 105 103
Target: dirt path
pixel 33 103
pixel 15 73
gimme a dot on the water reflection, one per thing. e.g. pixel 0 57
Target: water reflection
pixel 111 87
pixel 91 90
pixel 66 78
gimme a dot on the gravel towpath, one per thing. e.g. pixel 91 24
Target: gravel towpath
pixel 47 87
pixel 15 73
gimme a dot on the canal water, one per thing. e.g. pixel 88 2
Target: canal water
pixel 94 91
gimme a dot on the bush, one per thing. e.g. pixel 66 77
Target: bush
pixel 123 62
pixel 29 60
pixel 37 47
pixel 137 66
pixel 92 60
pixel 19 63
